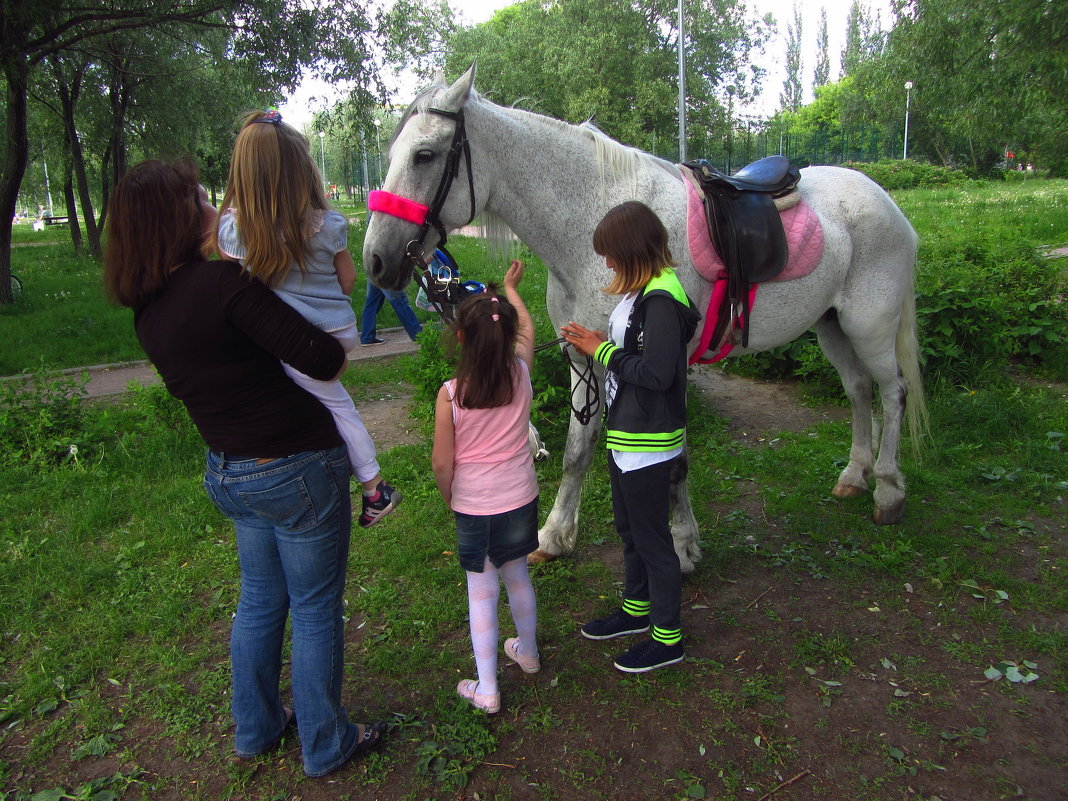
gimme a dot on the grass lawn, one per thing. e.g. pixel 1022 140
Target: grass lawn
pixel 827 658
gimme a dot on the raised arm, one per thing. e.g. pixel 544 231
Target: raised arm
pixel 524 341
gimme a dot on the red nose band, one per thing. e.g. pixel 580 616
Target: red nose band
pixel 397 206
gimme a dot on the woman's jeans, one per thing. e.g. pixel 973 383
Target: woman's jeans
pixel 293 519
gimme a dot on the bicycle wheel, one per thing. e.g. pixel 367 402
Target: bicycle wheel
pixel 16 286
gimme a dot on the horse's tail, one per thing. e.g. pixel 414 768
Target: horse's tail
pixel 908 362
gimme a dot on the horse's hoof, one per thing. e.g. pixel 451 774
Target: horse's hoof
pixel 890 515
pixel 539 557
pixel 842 490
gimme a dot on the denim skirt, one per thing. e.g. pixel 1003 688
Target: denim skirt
pixel 502 537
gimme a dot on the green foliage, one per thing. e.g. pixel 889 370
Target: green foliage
pixel 987 296
pixel 42 420
pixel 986 74
pixel 895 174
pixel 615 62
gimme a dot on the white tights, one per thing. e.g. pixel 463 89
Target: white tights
pixel 483 592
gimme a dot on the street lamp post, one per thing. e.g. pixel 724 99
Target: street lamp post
pixel 48 189
pixel 682 84
pixel 378 148
pixel 908 97
pixel 322 158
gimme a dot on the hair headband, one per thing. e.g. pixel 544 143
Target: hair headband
pixel 397 206
pixel 271 115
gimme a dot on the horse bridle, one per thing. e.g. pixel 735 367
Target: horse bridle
pixel 442 295
pixel 428 217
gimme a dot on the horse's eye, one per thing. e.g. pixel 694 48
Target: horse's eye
pixel 424 156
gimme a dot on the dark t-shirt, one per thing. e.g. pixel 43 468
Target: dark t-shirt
pixel 217 339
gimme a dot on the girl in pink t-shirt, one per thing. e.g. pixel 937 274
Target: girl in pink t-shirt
pixel 485 473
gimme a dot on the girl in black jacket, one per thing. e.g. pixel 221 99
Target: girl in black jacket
pixel 644 356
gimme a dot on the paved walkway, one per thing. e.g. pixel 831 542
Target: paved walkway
pixel 112 379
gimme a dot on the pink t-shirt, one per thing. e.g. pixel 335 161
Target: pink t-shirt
pixel 493 471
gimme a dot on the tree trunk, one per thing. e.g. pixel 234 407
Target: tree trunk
pixel 72 208
pixel 119 98
pixel 68 96
pixel 16 156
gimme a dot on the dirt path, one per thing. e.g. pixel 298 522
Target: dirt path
pixel 752 407
pixel 112 379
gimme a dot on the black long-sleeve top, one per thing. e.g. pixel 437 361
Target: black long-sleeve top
pixel 217 339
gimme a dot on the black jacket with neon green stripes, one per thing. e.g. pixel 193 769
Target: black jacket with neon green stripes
pixel 648 412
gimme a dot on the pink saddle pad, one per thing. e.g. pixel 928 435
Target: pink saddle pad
pixel 804 238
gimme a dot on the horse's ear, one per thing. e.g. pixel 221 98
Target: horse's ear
pixel 456 95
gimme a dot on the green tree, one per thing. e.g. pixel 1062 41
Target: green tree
pixel 333 35
pixel 858 24
pixel 987 74
pixel 822 72
pixel 615 62
pixel 790 98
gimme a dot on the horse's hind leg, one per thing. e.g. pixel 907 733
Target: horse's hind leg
pixel 683 524
pixel 858 388
pixel 873 336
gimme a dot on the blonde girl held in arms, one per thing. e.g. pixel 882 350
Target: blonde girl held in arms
pixel 277 222
pixel 485 474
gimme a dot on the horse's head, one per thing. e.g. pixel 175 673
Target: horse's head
pixel 428 189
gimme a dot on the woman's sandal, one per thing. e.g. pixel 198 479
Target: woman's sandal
pixel 290 719
pixel 368 737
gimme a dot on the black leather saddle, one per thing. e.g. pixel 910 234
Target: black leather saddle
pixel 745 226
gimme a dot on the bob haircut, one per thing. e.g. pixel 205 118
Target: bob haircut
pixel 154 225
pixel 635 239
pixel 485 373
pixel 273 185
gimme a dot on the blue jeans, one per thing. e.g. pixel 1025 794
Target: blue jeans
pixel 373 304
pixel 293 520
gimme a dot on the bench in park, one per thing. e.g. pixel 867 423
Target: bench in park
pixel 39 225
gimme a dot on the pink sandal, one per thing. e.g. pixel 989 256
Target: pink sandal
pixel 488 702
pixel 530 664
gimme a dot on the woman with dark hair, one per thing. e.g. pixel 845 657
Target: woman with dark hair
pixel 644 356
pixel 276 464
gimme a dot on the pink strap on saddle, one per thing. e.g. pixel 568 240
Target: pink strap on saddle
pixel 397 206
pixel 719 289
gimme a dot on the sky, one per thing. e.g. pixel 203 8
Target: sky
pixel 313 95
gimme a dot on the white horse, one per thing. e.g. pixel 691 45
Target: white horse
pixel 551 182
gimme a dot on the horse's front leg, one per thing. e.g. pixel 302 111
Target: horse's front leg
pixel 683 523
pixel 557 537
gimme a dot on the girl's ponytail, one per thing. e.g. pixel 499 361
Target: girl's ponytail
pixel 486 327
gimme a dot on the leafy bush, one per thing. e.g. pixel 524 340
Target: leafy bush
pixel 986 300
pixel 987 297
pixel 894 174
pixel 42 421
